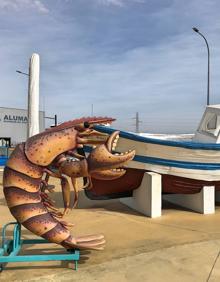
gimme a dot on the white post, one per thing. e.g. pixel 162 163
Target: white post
pixel 203 202
pixel 147 198
pixel 33 95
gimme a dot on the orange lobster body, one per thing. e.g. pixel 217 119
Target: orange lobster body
pixel 24 186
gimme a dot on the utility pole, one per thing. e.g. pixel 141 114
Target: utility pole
pixel 137 122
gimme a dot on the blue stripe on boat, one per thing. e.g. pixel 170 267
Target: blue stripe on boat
pixel 182 144
pixel 170 163
pixel 180 164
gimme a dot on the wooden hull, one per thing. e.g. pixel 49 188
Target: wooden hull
pixel 124 186
pixel 180 185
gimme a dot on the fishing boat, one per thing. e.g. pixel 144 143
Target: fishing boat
pixel 185 165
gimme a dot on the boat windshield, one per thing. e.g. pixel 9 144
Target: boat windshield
pixel 210 124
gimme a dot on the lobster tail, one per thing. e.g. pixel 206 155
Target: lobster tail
pixel 34 210
pixel 95 242
pixel 31 212
pixel 23 196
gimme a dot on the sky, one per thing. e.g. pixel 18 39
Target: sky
pixel 121 56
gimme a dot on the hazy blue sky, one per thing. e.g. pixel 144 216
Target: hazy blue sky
pixel 121 55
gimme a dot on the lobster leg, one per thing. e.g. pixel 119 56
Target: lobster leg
pixel 95 242
pixel 45 183
pixel 88 183
pixel 52 173
pixel 76 155
pixel 65 189
pixel 66 194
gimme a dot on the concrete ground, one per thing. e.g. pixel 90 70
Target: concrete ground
pixel 179 246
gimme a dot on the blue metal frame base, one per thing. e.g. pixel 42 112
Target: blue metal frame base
pixel 9 252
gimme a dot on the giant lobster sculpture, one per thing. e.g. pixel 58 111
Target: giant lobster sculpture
pixel 54 153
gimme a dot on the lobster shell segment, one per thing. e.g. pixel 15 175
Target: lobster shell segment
pixel 19 162
pixel 41 149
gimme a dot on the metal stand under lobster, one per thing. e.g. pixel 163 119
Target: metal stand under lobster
pixel 9 252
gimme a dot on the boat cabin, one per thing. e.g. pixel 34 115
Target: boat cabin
pixel 209 127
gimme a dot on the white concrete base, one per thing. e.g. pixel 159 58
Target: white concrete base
pixel 147 198
pixel 203 202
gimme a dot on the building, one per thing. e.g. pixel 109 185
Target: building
pixel 13 125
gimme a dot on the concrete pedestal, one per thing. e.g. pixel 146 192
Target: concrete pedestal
pixel 203 202
pixel 147 198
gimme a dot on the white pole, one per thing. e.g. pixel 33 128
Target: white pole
pixel 33 95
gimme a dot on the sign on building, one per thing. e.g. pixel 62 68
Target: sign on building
pixel 13 124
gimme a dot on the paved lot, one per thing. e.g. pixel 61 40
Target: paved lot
pixel 179 246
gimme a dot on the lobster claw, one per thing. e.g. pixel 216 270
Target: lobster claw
pixel 104 164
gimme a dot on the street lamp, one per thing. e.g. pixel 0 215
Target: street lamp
pixel 21 72
pixel 54 118
pixel 197 31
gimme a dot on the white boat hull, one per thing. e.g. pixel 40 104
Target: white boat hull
pixel 178 158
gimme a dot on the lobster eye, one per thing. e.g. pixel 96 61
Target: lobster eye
pixel 86 124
